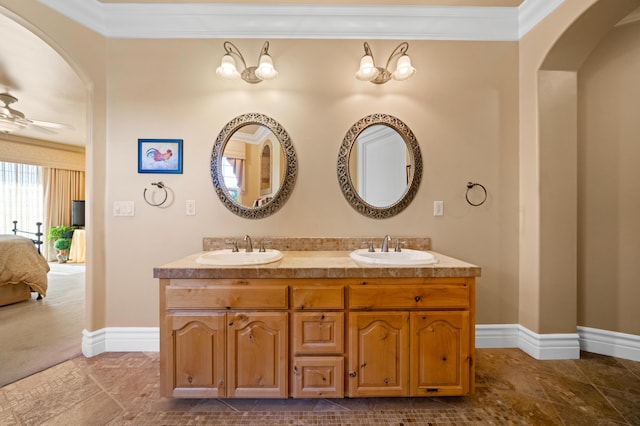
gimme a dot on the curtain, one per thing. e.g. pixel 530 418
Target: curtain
pixel 238 169
pixel 21 197
pixel 60 188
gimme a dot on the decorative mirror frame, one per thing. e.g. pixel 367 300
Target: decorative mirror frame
pixel 290 174
pixel 344 177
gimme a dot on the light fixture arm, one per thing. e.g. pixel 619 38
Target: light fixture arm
pixel 231 48
pixel 400 50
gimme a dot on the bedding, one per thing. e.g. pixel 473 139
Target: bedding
pixel 22 269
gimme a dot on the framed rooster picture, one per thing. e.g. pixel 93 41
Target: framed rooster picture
pixel 159 155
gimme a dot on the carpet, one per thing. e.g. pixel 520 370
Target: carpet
pixel 38 334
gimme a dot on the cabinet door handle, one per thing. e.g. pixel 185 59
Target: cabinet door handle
pixel 352 374
pixel 417 298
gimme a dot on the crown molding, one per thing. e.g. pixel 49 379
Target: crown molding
pixel 228 20
pixel 531 13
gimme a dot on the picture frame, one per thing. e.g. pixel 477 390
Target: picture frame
pixel 160 156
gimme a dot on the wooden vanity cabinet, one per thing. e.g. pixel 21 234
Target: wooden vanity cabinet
pixel 307 338
pixel 411 337
pixel 224 339
pixel 318 339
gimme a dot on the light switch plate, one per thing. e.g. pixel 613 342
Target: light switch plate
pixel 438 208
pixel 123 208
pixel 191 208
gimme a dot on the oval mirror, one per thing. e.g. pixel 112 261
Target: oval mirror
pixel 379 166
pixel 253 165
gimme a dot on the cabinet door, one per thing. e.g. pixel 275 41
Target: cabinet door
pixel 318 332
pixel 257 354
pixel 198 369
pixel 440 361
pixel 318 377
pixel 378 353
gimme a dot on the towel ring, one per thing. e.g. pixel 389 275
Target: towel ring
pixel 160 185
pixel 470 185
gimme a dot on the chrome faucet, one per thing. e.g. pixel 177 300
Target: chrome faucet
pixel 247 238
pixel 385 244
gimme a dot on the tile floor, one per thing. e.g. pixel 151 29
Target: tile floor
pixel 511 388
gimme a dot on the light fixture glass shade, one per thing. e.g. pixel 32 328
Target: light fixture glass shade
pixel 265 70
pixel 8 125
pixel 404 70
pixel 227 68
pixel 368 70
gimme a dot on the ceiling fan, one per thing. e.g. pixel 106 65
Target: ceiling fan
pixel 12 120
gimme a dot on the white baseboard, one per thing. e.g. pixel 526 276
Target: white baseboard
pixel 539 346
pixel 550 346
pixel 611 343
pixel 120 339
pixel 497 336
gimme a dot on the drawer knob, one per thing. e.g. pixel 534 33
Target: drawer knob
pixel 417 298
pixel 352 374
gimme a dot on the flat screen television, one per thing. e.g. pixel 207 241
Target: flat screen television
pixel 77 213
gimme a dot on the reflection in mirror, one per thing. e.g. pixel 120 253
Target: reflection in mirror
pixel 251 172
pixel 379 166
pixel 253 166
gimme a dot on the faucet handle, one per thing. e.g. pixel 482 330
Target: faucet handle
pixel 398 243
pixel 370 244
pixel 234 245
pixel 262 243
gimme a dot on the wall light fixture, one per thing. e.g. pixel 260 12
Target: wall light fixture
pixel 370 72
pixel 264 70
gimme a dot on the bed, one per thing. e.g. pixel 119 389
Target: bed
pixel 23 269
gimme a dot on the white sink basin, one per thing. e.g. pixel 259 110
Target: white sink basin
pixel 226 257
pixel 406 257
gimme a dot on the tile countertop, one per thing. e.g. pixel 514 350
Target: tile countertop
pixel 315 264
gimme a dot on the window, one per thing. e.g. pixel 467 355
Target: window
pixel 230 179
pixel 21 196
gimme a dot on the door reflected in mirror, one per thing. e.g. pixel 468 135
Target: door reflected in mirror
pixel 380 165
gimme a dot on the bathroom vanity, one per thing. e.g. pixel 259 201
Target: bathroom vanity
pixel 315 324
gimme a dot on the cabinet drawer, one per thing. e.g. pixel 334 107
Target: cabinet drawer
pixel 318 332
pixel 307 297
pixel 227 297
pixel 318 377
pixel 390 296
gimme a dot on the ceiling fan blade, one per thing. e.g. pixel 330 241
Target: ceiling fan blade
pixel 41 123
pixel 42 129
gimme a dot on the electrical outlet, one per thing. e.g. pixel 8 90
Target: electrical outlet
pixel 438 208
pixel 191 208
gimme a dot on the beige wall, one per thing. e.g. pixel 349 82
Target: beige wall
pixel 466 124
pixel 473 106
pixel 609 188
pixel 548 146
